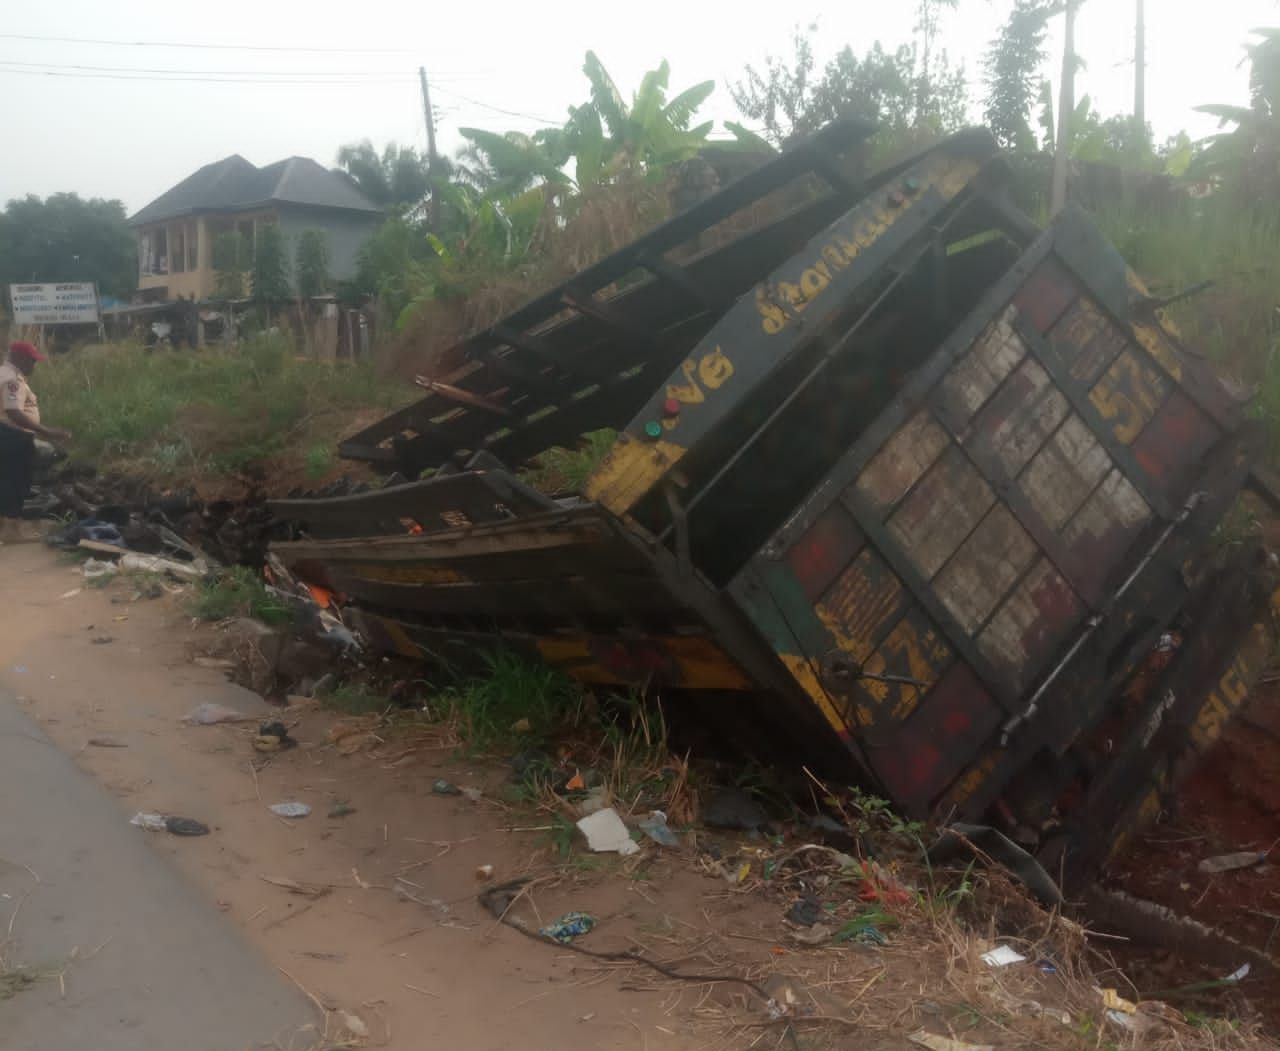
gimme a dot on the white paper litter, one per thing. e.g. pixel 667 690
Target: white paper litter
pixel 606 834
pixel 1239 974
pixel 151 822
pixel 209 714
pixel 1002 956
pixel 155 564
pixel 290 809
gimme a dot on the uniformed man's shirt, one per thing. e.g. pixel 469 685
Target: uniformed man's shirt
pixel 16 394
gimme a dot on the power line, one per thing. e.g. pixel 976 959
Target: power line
pixel 201 80
pixel 42 67
pixel 495 109
pixel 212 47
pixel 381 73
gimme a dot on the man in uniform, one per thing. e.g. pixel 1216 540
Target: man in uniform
pixel 20 431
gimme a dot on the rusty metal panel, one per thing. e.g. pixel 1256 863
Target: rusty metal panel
pixel 983 571
pixel 866 600
pixel 904 458
pixel 975 377
pixel 1106 525
pixel 1128 395
pixel 918 761
pixel 914 649
pixel 1062 475
pixel 1032 621
pixel 933 521
pixel 1086 340
pixel 1045 295
pixel 1179 435
pixel 1014 424
pixel 825 549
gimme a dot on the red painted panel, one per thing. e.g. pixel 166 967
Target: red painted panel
pixel 1045 295
pixel 1174 442
pixel 822 553
pixel 919 760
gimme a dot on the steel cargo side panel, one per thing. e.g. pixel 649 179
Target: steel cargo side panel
pixel 988 515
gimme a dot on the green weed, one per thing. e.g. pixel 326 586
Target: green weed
pixel 354 699
pixel 195 415
pixel 560 470
pixel 318 461
pixel 238 592
pixel 514 702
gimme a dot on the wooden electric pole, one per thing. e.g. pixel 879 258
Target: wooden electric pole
pixel 432 166
pixel 1066 110
pixel 1140 69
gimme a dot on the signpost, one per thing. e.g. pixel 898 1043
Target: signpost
pixel 73 303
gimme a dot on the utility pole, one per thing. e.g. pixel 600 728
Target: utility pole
pixel 1066 110
pixel 432 166
pixel 1140 69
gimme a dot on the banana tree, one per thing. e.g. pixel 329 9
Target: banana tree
pixel 606 135
pixel 1250 151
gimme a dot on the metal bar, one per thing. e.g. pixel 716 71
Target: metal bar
pixel 1121 454
pixel 832 352
pixel 912 396
pixel 1094 622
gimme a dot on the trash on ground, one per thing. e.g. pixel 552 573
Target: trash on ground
pixel 865 929
pixel 568 927
pixel 214 663
pixel 946 1043
pixel 72 593
pixel 135 563
pixel 341 809
pixel 273 737
pixel 732 808
pixel 185 826
pixel 1239 974
pixel 521 726
pixel 484 872
pixel 656 828
pixel 102 640
pixel 473 794
pixel 107 741
pixel 818 934
pixel 606 834
pixel 210 714
pixel 177 826
pixel 1229 862
pixel 806 911
pixel 290 809
pixel 1113 1001
pixel 353 1024
pixel 441 787
pixel 594 801
pixel 1002 956
pixel 93 569
pixel 577 783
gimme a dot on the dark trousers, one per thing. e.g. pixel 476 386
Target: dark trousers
pixel 17 465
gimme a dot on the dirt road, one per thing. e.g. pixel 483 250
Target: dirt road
pixel 397 968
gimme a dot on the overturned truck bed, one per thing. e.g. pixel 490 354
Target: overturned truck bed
pixel 903 483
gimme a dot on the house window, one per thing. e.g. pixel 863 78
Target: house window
pixel 179 249
pixel 193 246
pixel 160 258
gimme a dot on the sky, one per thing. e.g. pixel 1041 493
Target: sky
pixel 130 115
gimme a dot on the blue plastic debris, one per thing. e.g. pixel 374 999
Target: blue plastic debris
pixel 568 927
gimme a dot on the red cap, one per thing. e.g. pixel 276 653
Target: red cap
pixel 23 349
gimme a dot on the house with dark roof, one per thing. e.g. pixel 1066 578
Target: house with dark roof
pixel 176 232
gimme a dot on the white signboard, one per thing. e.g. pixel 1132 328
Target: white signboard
pixel 69 304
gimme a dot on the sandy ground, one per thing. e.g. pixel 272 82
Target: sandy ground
pixel 404 969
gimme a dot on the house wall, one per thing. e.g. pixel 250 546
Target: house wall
pixel 345 232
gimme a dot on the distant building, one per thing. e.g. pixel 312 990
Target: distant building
pixel 176 231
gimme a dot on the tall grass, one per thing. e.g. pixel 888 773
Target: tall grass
pixel 1234 323
pixel 186 415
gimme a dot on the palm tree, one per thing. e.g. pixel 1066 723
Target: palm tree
pixel 397 179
